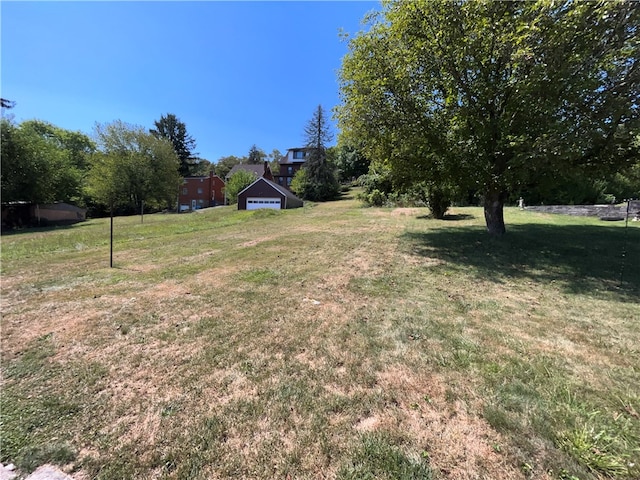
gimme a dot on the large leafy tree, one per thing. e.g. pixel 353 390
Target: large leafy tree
pixel 495 97
pixel 170 127
pixel 318 179
pixel 132 167
pixel 351 162
pixel 43 163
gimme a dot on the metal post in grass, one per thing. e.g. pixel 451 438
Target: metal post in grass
pixel 111 239
pixel 624 244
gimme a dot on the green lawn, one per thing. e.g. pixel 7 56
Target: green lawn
pixel 330 341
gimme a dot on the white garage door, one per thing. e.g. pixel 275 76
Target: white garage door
pixel 254 203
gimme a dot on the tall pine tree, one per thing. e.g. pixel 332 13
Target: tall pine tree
pixel 318 180
pixel 256 156
pixel 171 128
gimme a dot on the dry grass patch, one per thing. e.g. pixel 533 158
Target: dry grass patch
pixel 325 342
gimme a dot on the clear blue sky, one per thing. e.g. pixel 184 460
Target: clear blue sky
pixel 236 73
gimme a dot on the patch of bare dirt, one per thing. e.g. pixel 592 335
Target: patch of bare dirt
pixel 65 322
pixel 214 277
pixel 167 290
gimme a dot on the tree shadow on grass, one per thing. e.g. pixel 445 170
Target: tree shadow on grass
pixel 583 259
pixel 42 228
pixel 449 217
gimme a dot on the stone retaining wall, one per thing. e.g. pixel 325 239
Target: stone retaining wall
pixel 600 211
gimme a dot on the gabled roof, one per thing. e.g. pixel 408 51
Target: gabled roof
pixel 202 177
pixel 275 186
pixel 258 170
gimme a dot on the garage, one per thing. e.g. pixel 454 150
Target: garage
pixel 254 203
pixel 264 193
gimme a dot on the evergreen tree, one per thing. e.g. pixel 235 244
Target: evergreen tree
pixel 171 128
pixel 256 156
pixel 320 181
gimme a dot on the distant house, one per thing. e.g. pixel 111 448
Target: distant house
pixel 200 192
pixel 257 170
pixel 23 214
pixel 265 193
pixel 290 164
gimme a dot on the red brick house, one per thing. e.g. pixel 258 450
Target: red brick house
pixel 200 192
pixel 289 165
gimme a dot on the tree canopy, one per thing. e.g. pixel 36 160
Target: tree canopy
pixel 132 167
pixel 171 128
pixel 42 163
pixel 274 159
pixel 225 164
pixel 351 162
pixel 6 103
pixel 202 167
pixel 495 97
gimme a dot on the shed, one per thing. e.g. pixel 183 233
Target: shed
pixel 264 193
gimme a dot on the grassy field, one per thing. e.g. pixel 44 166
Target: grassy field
pixel 330 341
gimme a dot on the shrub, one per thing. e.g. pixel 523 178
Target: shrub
pixel 238 182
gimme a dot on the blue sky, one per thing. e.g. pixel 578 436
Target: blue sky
pixel 236 73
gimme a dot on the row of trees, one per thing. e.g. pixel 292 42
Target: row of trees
pixel 122 165
pixel 127 166
pixel 495 98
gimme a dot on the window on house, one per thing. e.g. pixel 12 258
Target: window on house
pixel 298 154
pixel 289 170
pixel 199 191
pixel 288 181
pixel 280 180
pixel 185 191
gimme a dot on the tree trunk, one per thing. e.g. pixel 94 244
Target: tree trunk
pixel 493 213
